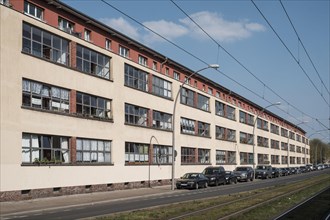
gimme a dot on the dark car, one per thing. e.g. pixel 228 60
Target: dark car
pixel 284 172
pixel 275 172
pixel 263 171
pixel 244 173
pixel 192 181
pixel 230 177
pixel 215 174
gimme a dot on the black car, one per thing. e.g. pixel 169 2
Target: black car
pixel 244 173
pixel 284 172
pixel 215 174
pixel 275 172
pixel 230 177
pixel 192 181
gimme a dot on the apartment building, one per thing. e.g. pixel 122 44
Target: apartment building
pixel 85 108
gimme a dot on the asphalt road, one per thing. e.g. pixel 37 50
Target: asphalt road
pixel 109 207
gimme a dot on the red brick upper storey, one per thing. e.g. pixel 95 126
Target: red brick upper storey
pixel 99 33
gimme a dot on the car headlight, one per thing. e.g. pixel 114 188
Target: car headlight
pixel 227 178
pixel 212 178
pixel 243 174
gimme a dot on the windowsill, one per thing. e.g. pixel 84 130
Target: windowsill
pixel 226 163
pixel 222 116
pixel 196 135
pixel 184 164
pixel 226 140
pixel 195 107
pixel 47 164
pixel 141 126
pixel 75 115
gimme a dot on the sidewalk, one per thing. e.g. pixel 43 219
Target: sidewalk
pixel 51 203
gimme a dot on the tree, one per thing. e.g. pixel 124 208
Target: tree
pixel 319 151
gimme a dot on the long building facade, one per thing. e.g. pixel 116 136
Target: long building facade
pixel 84 108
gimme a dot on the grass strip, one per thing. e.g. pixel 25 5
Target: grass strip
pixel 268 211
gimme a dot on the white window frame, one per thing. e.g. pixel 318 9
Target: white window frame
pixel 107 44
pixel 30 13
pixel 123 51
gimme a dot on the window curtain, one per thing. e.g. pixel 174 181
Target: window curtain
pixel 26 86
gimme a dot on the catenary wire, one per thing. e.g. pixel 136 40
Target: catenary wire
pixel 242 65
pixel 302 44
pixel 204 62
pixel 303 70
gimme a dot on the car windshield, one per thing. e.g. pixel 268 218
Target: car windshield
pixel 241 169
pixel 261 167
pixel 210 171
pixel 190 176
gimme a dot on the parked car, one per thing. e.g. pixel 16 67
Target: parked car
pixel 263 171
pixel 284 172
pixel 192 181
pixel 230 177
pixel 303 169
pixel 244 173
pixel 215 174
pixel 275 172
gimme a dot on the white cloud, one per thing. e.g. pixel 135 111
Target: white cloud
pixel 219 28
pixel 167 29
pixel 213 23
pixel 123 26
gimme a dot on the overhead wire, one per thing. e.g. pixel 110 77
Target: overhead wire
pixel 303 70
pixel 194 56
pixel 302 44
pixel 241 64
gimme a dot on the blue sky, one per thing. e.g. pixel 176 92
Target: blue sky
pixel 239 28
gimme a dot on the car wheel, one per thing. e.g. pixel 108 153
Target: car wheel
pixel 230 181
pixel 235 181
pixel 178 187
pixel 205 185
pixel 216 183
pixel 196 186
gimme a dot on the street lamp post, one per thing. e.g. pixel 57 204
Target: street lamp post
pixel 254 126
pixel 213 66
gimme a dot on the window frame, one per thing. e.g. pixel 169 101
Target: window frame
pixel 86 152
pixel 27 10
pixel 161 87
pixel 93 104
pixel 134 114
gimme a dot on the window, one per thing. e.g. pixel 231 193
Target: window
pixel 274 129
pixel 284 159
pixel 275 159
pixel 65 25
pixel 43 44
pixel 262 141
pixel 203 102
pixel 246 158
pixel 298 137
pixel 262 124
pixel 38 95
pixel 167 71
pixel 45 148
pixel 136 153
pixel 93 106
pixel 224 110
pixel 177 76
pixel 284 132
pixel 136 78
pixel 292 148
pixel 210 91
pixel 123 51
pixel 188 155
pixel 92 62
pixel 284 146
pixel 162 154
pixel 93 151
pixel 187 80
pixel 246 138
pixel 87 35
pixel 274 144
pixel 217 94
pixel 162 120
pixel 225 157
pixel 246 118
pixel 136 115
pixel 230 112
pixel 143 61
pixel 154 65
pixel 203 129
pixel 33 10
pixel 203 155
pixel 187 97
pixel 107 44
pixel 263 159
pixel 187 126
pixel 292 160
pixel 291 135
pixel 161 87
pixel 225 134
